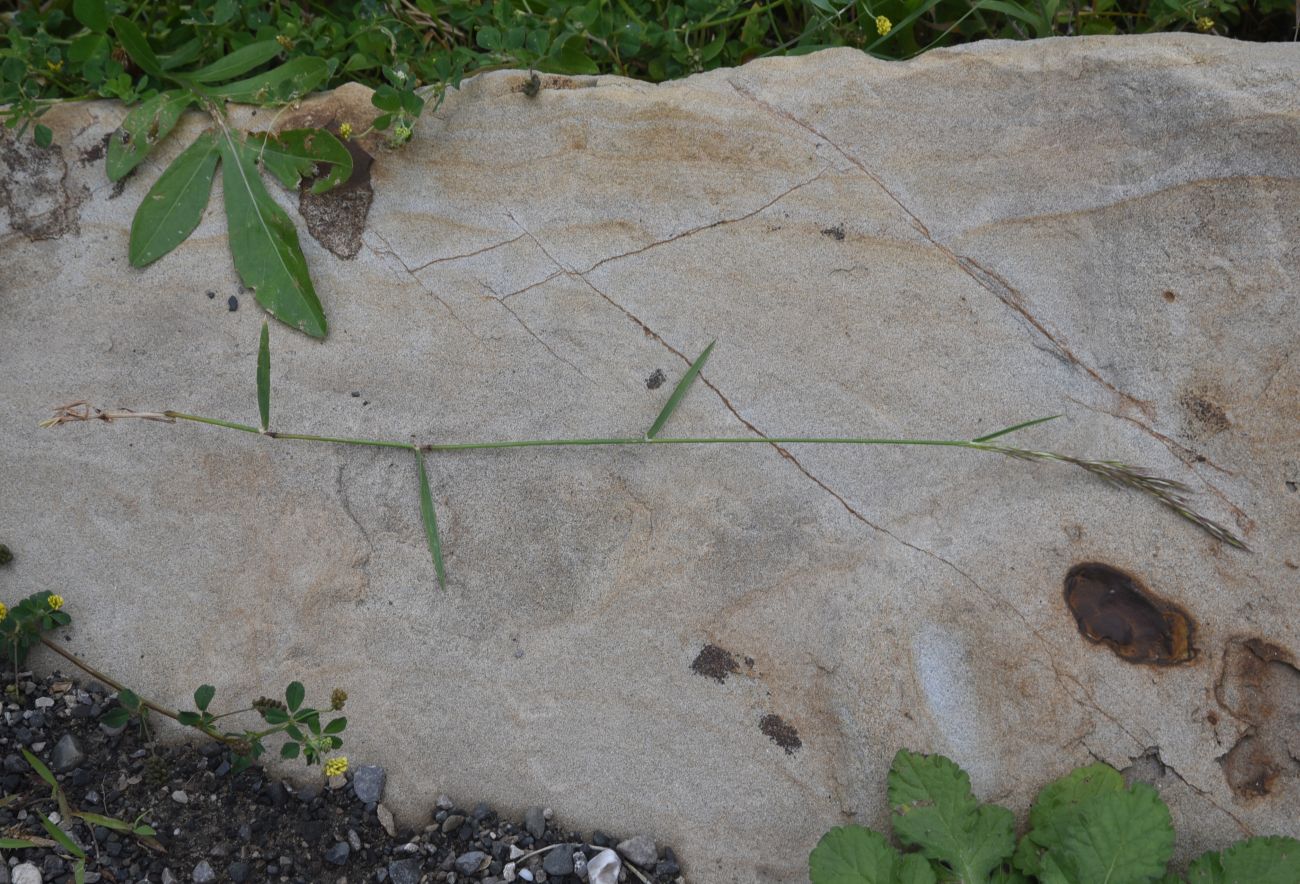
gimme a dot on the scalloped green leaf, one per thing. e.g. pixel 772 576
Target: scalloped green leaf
pixel 1122 837
pixel 857 855
pixel 298 153
pixel 935 810
pixel 1266 860
pixel 142 130
pixel 1057 807
pixel 174 206
pixel 264 243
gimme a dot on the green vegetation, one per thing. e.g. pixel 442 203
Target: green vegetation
pixel 1167 492
pixel 1088 827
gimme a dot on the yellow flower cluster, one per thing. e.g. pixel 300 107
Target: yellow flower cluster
pixel 54 66
pixel 345 131
pixel 336 767
pixel 4 612
pixel 55 602
pixel 883 25
pixel 1204 23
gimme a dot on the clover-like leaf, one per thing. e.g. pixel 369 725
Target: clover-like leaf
pixel 174 205
pixel 293 695
pixel 935 810
pixel 264 243
pixel 203 696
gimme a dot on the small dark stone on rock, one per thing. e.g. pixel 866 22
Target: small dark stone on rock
pixel 67 754
pixel 368 783
pixel 452 823
pixel 338 854
pixel 535 822
pixel 481 812
pixel 232 303
pixel 239 872
pixel 404 871
pixel 640 851
pixel 203 873
pixel 211 295
pixel 468 863
pixel 559 861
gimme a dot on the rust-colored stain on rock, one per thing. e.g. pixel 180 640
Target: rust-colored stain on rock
pixel 781 732
pixel 1113 608
pixel 1260 686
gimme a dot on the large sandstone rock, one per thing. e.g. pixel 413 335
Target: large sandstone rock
pixel 1101 228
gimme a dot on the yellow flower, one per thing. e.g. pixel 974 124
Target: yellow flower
pixel 54 66
pixel 1204 23
pixel 285 42
pixel 4 612
pixel 883 25
pixel 336 767
pixel 55 602
pixel 345 131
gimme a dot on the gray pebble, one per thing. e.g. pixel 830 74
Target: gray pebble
pixel 67 754
pixel 640 851
pixel 354 839
pixel 27 873
pixel 404 871
pixel 444 803
pixel 239 872
pixel 338 854
pixel 452 823
pixel 368 783
pixel 468 863
pixel 203 873
pixel 559 861
pixel 535 822
pixel 180 797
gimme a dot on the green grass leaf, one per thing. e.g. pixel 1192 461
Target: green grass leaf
pixel 64 839
pixel 15 843
pixel 1014 427
pixel 174 205
pixel 1122 837
pixel 264 378
pixel 680 391
pixel 41 770
pixel 856 855
pixel 297 153
pixel 1058 806
pixel 935 810
pixel 142 130
pixel 107 822
pixel 136 46
pixel 288 82
pixel 430 522
pixel 264 243
pixel 241 61
pixel 293 695
pixel 1270 860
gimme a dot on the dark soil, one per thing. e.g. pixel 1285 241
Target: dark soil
pixel 242 827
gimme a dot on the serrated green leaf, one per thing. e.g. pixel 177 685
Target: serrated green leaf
pixel 293 695
pixel 1014 427
pixel 174 206
pixel 136 46
pixel 857 855
pixel 142 130
pixel 203 696
pixel 680 391
pixel 91 13
pixel 1265 860
pixel 430 518
pixel 264 243
pixel 295 154
pixel 1057 807
pixel 288 82
pixel 935 810
pixel 241 61
pixel 264 377
pixel 1122 837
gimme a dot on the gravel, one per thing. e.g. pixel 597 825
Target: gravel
pixel 213 825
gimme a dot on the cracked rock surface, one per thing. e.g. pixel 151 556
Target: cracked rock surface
pixel 1101 228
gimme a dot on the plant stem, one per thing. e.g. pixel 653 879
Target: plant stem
pixel 96 674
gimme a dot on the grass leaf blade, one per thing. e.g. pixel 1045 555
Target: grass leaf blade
pixel 264 243
pixel 174 205
pixel 264 378
pixel 430 522
pixel 679 392
pixel 241 61
pixel 288 82
pixel 1013 428
pixel 136 46
pixel 41 770
pixel 61 836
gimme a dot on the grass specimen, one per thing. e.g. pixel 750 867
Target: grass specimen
pixel 1167 492
pixel 1087 827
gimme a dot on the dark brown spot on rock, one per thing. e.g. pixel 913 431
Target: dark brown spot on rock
pixel 1260 686
pixel 1113 608
pixel 1203 416
pixel 337 217
pixel 535 83
pixel 96 151
pixel 836 233
pixel 35 190
pixel 715 662
pixel 781 732
pixel 656 379
pixel 1169 296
